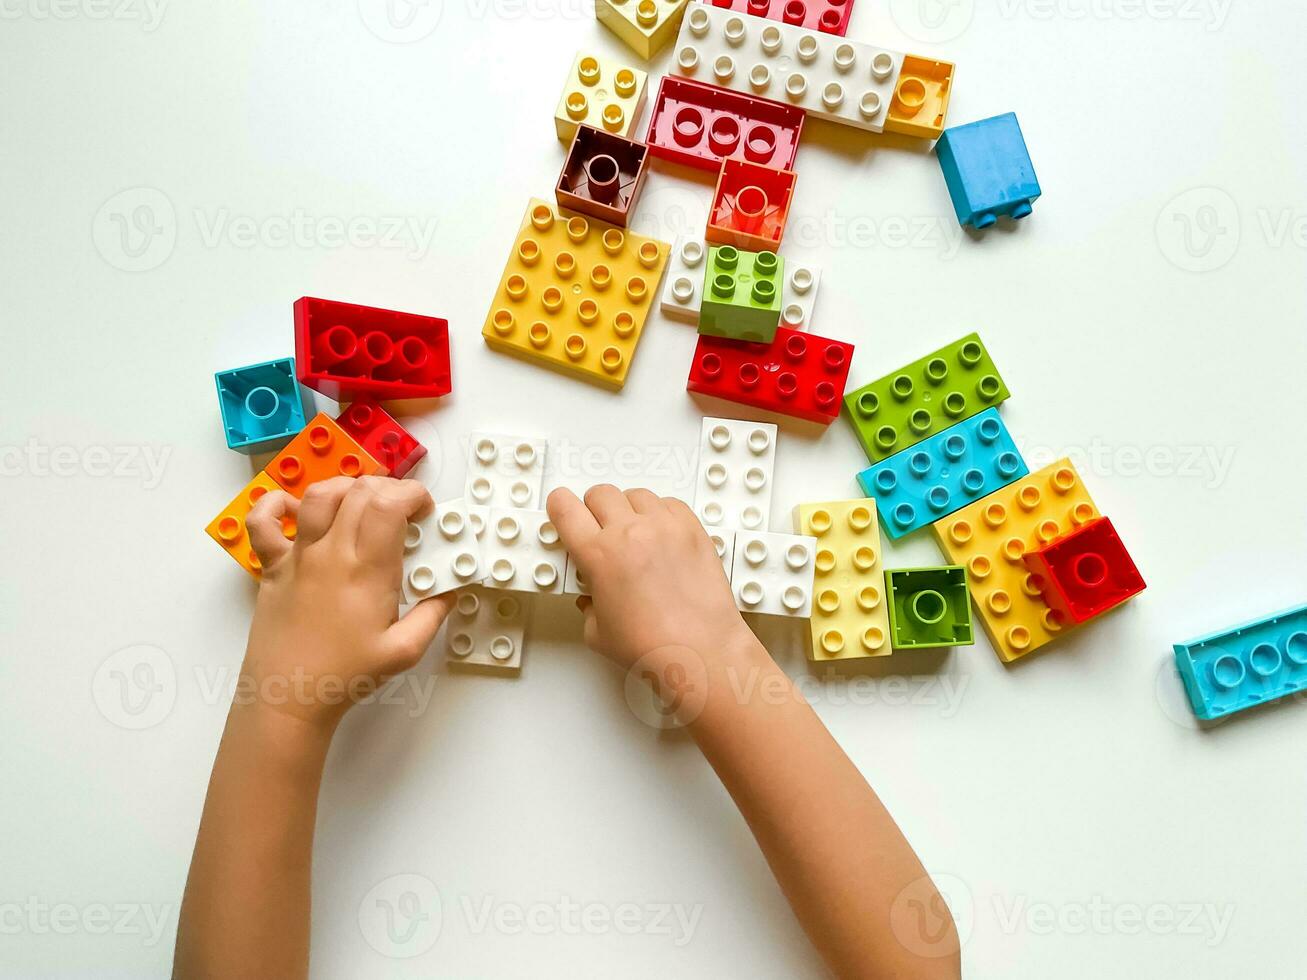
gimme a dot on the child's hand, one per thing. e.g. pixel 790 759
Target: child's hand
pixel 655 578
pixel 326 627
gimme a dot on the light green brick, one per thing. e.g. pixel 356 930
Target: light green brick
pixel 741 294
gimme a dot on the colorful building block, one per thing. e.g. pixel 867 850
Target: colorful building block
pixel 828 77
pixel 899 410
pixel 750 206
pixel 682 295
pixel 799 295
pixel 602 175
pixel 351 352
pixel 1234 669
pixel 741 294
pixel 850 619
pixel 797 374
pixel 321 451
pixel 486 631
pixel 441 552
pixel 574 295
pixel 737 461
pixel 385 440
pixel 943 473
pixel 1085 573
pixel 228 528
pixel 988 170
pixel 261 405
pixel 920 102
pixel 827 16
pixel 929 607
pixel 522 552
pixel 646 26
pixel 991 537
pixel 602 94
pixel 506 471
pixel 773 573
pixel 701 125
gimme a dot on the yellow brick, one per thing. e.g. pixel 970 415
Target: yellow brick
pixel 850 619
pixel 228 528
pixel 990 537
pixel 921 94
pixel 644 25
pixel 575 295
pixel 603 94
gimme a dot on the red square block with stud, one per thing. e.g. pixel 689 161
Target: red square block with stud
pixel 1085 573
pixel 798 374
pixel 700 125
pixel 322 450
pixel 384 439
pixel 827 16
pixel 350 352
pixel 602 175
pixel 750 206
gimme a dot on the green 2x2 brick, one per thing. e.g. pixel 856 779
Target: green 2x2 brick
pixel 943 388
pixel 741 294
pixel 929 607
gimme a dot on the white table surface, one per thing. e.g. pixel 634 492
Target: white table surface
pixel 1080 822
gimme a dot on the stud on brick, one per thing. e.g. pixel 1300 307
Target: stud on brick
pixel 646 26
pixel 385 440
pixel 741 297
pixel 229 529
pixel 850 618
pixel 733 486
pixel 523 552
pixel 486 631
pixel 322 451
pixel 773 573
pixel 827 16
pixel 441 552
pixel 600 93
pixel 1085 573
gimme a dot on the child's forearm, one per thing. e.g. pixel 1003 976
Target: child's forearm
pixel 837 853
pixel 246 907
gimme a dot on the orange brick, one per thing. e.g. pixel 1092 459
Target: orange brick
pixel 322 450
pixel 228 528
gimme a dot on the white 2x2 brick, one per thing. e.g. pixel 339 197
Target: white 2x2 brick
pixel 487 628
pixel 773 573
pixel 505 471
pixel 737 463
pixel 523 552
pixel 441 552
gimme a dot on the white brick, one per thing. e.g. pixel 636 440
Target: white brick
pixel 737 461
pixel 773 573
pixel 487 629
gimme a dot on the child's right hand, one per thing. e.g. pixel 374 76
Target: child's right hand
pixel 655 579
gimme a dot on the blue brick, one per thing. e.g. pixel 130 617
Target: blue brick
pixel 988 170
pixel 1246 665
pixel 262 405
pixel 944 473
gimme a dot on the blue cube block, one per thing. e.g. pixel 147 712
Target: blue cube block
pixel 262 405
pixel 943 473
pixel 1246 665
pixel 988 170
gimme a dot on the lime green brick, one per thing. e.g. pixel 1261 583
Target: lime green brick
pixel 741 294
pixel 942 389
pixel 929 607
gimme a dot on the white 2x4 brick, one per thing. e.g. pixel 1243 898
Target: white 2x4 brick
pixel 523 552
pixel 737 461
pixel 773 573
pixel 827 76
pixel 682 296
pixel 487 629
pixel 441 552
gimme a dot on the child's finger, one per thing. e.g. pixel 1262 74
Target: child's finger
pixel 319 506
pixel 608 504
pixel 384 519
pixel 264 525
pixel 408 639
pixel 644 501
pixel 576 525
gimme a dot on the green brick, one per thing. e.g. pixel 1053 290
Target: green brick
pixel 741 294
pixel 929 607
pixel 942 389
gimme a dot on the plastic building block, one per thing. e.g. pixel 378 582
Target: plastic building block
pixel 723 542
pixel 991 537
pixel 603 94
pixel 486 630
pixel 828 77
pixel 261 405
pixel 441 552
pixel 920 102
pixel 737 461
pixel 899 410
pixel 742 294
pixel 506 471
pixel 701 125
pixel 799 295
pixel 828 16
pixel 321 451
pixel 574 295
pixel 773 573
pixel 228 528
pixel 750 206
pixel 522 552
pixel 1085 573
pixel 850 619
pixel 646 26
pixel 1237 668
pixel 385 440
pixel 929 607
pixel 602 175
pixel 943 473
pixel 988 170
pixel 797 374
pixel 350 352
pixel 682 295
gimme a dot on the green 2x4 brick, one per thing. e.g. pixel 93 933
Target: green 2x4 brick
pixel 741 294
pixel 943 388
pixel 929 607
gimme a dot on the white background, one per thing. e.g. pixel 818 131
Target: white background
pixel 1150 311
